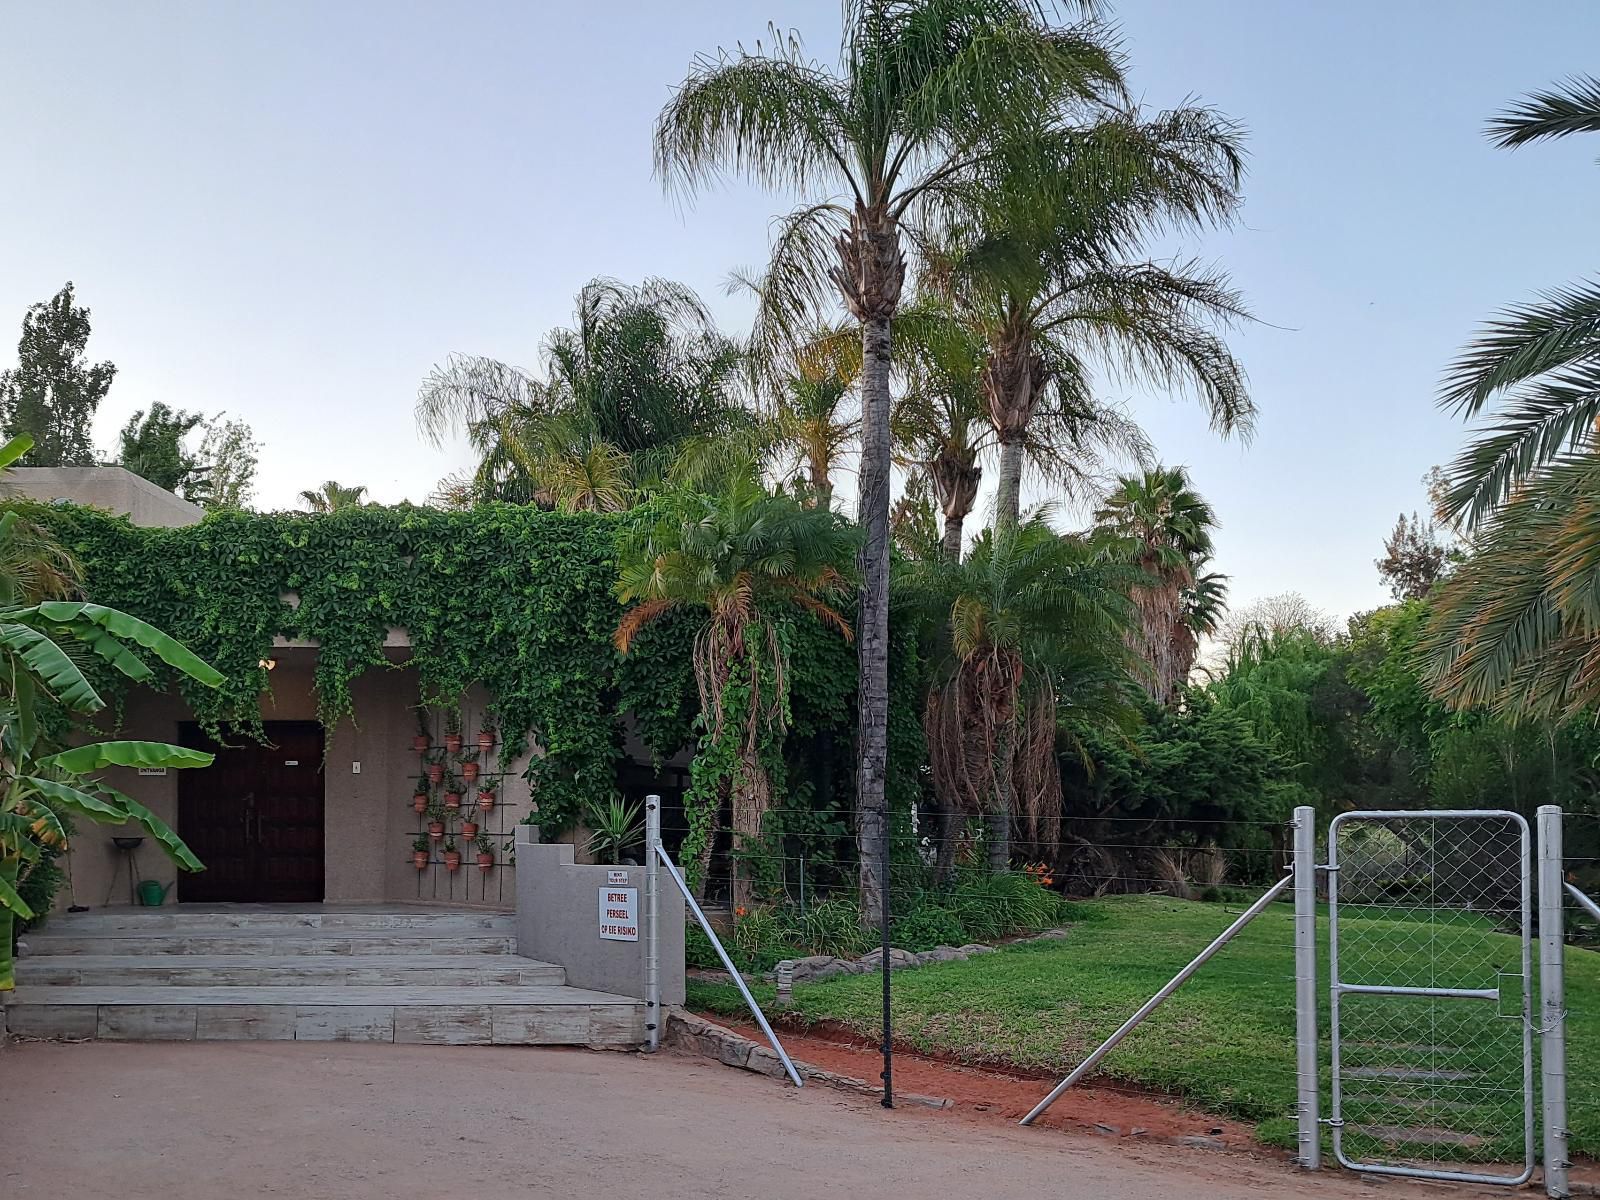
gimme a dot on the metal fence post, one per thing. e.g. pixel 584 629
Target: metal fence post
pixel 652 908
pixel 1552 997
pixel 1308 1050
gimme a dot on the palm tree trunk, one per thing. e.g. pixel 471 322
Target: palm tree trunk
pixel 1008 489
pixel 952 537
pixel 821 482
pixel 998 821
pixel 872 630
pixel 751 799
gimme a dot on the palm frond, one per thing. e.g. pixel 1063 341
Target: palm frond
pixel 1571 106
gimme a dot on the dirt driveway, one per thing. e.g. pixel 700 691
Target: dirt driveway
pixel 230 1121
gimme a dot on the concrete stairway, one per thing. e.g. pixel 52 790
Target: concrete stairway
pixel 387 973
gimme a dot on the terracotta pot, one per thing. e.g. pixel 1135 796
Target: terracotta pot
pixel 421 742
pixel 452 743
pixel 469 831
pixel 436 829
pixel 419 802
pixel 486 740
pixel 452 860
pixel 486 801
pixel 420 859
pixel 469 771
pixel 452 799
pixel 485 861
pixel 436 773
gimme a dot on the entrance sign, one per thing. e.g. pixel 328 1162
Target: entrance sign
pixel 619 914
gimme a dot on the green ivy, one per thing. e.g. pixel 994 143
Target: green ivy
pixel 508 596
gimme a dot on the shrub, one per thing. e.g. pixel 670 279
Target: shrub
pixel 928 926
pixel 832 927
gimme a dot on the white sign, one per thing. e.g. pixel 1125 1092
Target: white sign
pixel 619 914
pixel 617 878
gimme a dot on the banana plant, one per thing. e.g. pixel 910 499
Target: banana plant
pixel 40 781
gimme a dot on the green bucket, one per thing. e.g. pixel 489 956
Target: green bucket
pixel 151 893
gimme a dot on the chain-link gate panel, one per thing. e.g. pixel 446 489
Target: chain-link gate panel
pixel 1430 943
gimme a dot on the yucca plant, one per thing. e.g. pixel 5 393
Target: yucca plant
pixel 37 779
pixel 616 827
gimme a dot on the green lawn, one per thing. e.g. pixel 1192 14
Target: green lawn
pixel 1226 1039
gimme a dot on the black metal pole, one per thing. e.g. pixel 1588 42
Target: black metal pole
pixel 883 929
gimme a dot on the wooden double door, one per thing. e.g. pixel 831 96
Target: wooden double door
pixel 254 817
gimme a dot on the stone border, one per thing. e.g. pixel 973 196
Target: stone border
pixel 696 1035
pixel 822 966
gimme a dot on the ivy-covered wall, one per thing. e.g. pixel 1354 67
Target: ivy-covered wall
pixel 512 597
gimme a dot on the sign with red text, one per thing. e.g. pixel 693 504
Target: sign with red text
pixel 619 914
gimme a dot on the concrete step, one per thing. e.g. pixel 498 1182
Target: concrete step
pixel 219 918
pixel 276 942
pixel 531 1015
pixel 256 970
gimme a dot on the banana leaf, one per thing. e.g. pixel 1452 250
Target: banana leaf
pixel 50 663
pixel 96 756
pixel 163 833
pixel 76 615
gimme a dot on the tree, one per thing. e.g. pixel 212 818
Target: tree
pixel 53 392
pixel 1161 525
pixel 332 496
pixel 228 456
pixel 1033 626
pixel 813 426
pixel 1515 625
pixel 151 446
pixel 747 559
pixel 642 374
pixel 921 109
pixel 1050 282
pixel 39 781
pixel 1287 612
pixel 1413 558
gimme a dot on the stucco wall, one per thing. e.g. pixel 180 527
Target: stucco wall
pixel 369 820
pixel 558 921
pixel 112 488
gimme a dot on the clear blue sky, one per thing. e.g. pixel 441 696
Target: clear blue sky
pixel 290 210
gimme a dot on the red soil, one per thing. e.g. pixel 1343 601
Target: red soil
pixel 994 1094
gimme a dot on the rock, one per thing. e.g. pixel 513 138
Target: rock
pixel 1051 935
pixel 1108 1130
pixel 974 948
pixel 815 962
pixel 1202 1143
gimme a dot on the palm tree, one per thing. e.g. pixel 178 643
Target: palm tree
pixel 747 559
pixel 1515 627
pixel 1033 618
pixel 1052 283
pixel 333 496
pixel 921 110
pixel 943 432
pixel 1160 524
pixel 813 426
pixel 641 375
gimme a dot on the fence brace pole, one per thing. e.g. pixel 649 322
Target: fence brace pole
pixel 1150 1005
pixel 1308 1050
pixel 727 963
pixel 1552 997
pixel 652 928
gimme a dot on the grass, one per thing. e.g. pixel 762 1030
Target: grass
pixel 1225 1040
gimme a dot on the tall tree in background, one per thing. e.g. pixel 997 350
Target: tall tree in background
pixel 1160 524
pixel 53 392
pixel 229 453
pixel 151 446
pixel 1053 281
pixel 1413 558
pixel 640 376
pixel 1516 626
pixel 333 496
pixel 922 108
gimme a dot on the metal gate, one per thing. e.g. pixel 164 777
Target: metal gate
pixel 1430 944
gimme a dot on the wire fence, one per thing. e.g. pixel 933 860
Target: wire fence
pixel 1427 1038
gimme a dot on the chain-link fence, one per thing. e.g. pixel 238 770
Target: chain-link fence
pixel 1430 947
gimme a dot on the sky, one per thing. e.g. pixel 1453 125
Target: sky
pixel 290 211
